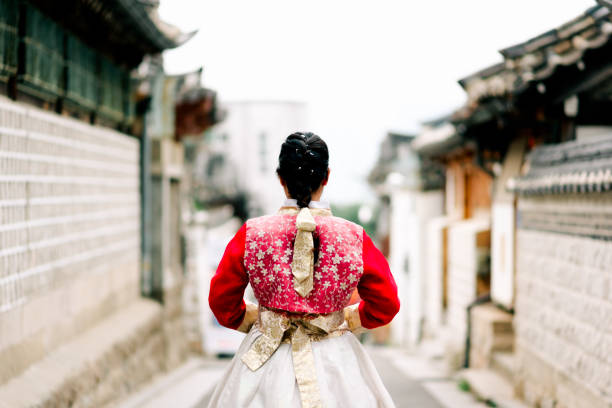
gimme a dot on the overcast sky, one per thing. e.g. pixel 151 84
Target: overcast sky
pixel 363 67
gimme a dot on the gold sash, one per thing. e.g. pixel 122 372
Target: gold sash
pixel 302 265
pixel 277 328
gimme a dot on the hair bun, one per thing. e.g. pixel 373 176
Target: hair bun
pixel 302 164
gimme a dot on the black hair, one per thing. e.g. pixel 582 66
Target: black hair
pixel 302 164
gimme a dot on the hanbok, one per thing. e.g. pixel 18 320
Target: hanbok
pixel 300 350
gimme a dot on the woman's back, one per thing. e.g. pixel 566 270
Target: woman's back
pixel 303 264
pixel 269 256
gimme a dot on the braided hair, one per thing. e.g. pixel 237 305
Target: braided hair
pixel 302 164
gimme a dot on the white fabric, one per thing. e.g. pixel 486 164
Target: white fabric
pixel 292 202
pixel 346 375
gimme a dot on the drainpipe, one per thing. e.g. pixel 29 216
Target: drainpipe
pixel 478 301
pixel 146 287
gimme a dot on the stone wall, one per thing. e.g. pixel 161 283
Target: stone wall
pixel 69 230
pixel 563 318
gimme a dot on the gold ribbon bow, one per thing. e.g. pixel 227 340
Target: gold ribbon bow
pixel 302 265
pixel 277 328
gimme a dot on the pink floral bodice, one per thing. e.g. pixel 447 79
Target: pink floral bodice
pixel 268 256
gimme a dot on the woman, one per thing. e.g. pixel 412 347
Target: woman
pixel 303 264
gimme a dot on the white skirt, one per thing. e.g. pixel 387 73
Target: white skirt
pixel 345 373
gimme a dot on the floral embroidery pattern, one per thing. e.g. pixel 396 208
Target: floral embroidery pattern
pixel 268 257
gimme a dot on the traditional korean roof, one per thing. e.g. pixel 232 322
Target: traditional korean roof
pixel 607 3
pixel 399 166
pixel 527 69
pixel 162 35
pixel 125 30
pixel 395 157
pixel 436 136
pixel 580 166
pixel 196 107
pixel 534 60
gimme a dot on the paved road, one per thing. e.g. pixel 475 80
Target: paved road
pixel 405 392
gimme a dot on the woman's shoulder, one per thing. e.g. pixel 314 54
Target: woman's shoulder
pixel 268 222
pixel 283 220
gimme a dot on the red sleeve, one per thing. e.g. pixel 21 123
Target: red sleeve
pixel 226 296
pixel 376 288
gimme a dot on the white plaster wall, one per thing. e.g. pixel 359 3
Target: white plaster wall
pixel 434 272
pixel 410 213
pixel 502 253
pixel 401 237
pixel 462 270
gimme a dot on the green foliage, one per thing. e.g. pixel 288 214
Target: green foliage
pixel 464 385
pixel 351 212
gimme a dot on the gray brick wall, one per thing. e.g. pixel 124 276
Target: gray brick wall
pixel 563 317
pixel 69 223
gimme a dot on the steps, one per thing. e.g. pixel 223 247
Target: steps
pixel 503 363
pixel 97 367
pixel 489 386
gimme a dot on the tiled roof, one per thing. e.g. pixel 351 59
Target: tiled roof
pixel 496 90
pixel 161 34
pixel 124 30
pixel 571 167
pixel 537 58
pixel 437 136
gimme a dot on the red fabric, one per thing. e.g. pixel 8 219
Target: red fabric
pixel 377 288
pixel 268 259
pixel 226 296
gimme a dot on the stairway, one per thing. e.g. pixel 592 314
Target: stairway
pixel 492 365
pixel 494 385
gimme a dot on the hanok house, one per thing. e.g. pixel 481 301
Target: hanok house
pixel 548 246
pixel 74 328
pixel 409 196
pixel 458 241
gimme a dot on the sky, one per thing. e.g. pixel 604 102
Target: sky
pixel 363 67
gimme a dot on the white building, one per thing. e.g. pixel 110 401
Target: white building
pixel 413 200
pixel 252 136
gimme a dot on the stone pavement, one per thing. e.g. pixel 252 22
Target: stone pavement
pixel 185 387
pixel 412 380
pixel 419 379
pixel 404 391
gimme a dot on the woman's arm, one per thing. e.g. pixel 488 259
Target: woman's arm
pixel 226 296
pixel 376 288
